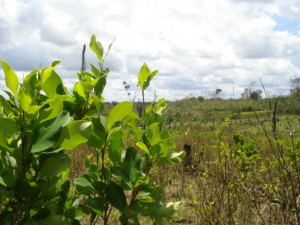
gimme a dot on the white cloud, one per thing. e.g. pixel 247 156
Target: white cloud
pixel 197 46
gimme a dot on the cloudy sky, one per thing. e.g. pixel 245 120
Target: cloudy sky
pixel 197 46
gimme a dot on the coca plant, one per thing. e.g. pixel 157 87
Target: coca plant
pixel 40 120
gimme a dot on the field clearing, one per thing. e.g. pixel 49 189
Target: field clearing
pixel 240 171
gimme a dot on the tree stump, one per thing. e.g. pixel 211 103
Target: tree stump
pixel 187 162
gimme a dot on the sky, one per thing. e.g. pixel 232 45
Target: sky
pixel 197 46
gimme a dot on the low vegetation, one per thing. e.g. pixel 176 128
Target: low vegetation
pixel 244 166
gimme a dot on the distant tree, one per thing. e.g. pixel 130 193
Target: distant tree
pixel 246 93
pixel 200 98
pixel 252 94
pixel 215 94
pixel 295 84
pixel 256 94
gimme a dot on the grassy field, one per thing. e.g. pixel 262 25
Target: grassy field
pixel 244 166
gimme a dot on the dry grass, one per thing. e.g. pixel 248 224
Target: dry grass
pixel 219 187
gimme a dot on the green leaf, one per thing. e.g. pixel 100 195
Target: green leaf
pixel 98 103
pixel 99 85
pixel 30 83
pixel 9 172
pixel 79 91
pixel 51 83
pixel 56 106
pixel 142 146
pixel 84 186
pixel 55 63
pixel 176 157
pixel 98 136
pixel 132 164
pixel 166 211
pixel 116 196
pixel 8 128
pixel 6 217
pixel 11 78
pixel 24 100
pixel 7 108
pixel 110 45
pixel 160 106
pixel 54 164
pixel 95 205
pixel 145 76
pixel 48 132
pixel 115 145
pixel 154 134
pixel 45 74
pixel 54 219
pixel 97 47
pixel 119 172
pixel 118 113
pixel 74 134
pixel 95 71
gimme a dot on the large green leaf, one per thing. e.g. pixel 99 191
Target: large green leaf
pixel 118 113
pixel 99 85
pixel 8 128
pixel 97 47
pixel 11 78
pixel 9 173
pixel 95 205
pixel 78 91
pixel 30 83
pixel 119 172
pixel 84 186
pixel 48 132
pixel 45 74
pixel 5 105
pixel 24 99
pixel 98 136
pixel 145 76
pixel 142 146
pixel 55 163
pixel 74 134
pixel 95 71
pixel 154 134
pixel 53 219
pixel 115 145
pixel 55 63
pixel 52 108
pixel 132 164
pixel 116 196
pixel 98 103
pixel 160 106
pixel 51 82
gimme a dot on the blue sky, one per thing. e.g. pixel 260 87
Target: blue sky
pixel 197 46
pixel 286 24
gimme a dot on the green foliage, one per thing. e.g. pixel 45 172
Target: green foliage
pixel 145 76
pixel 252 94
pixel 40 121
pixel 295 84
pixel 244 151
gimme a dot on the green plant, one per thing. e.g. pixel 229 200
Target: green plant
pixel 40 120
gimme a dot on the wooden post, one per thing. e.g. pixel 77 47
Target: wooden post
pixel 188 157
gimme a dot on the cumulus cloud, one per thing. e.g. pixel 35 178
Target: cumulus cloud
pixel 197 46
